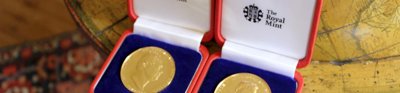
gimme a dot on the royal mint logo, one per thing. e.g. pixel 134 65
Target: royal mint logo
pixel 252 13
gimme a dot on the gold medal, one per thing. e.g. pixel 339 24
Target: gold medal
pixel 243 83
pixel 148 69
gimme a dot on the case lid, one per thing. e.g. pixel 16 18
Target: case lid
pixel 191 14
pixel 278 26
pixel 178 22
pixel 274 35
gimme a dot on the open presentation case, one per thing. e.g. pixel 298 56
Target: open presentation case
pixel 268 38
pixel 177 26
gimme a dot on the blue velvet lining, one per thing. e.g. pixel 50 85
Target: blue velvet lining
pixel 186 63
pixel 221 68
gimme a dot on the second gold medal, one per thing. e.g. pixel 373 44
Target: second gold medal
pixel 243 83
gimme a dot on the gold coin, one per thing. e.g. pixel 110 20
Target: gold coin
pixel 148 69
pixel 243 83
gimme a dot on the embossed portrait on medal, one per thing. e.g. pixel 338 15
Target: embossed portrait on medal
pixel 148 69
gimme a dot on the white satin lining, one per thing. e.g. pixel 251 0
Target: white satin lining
pixel 260 59
pixel 171 34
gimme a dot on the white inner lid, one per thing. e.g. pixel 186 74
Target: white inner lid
pixel 178 22
pixel 260 59
pixel 192 14
pixel 170 34
pixel 287 37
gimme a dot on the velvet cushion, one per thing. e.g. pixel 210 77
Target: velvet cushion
pixel 186 63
